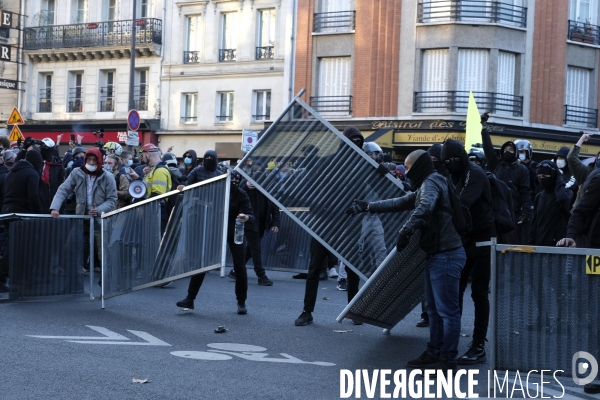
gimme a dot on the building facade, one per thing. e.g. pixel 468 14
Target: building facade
pixel 9 70
pixel 402 70
pixel 78 68
pixel 225 69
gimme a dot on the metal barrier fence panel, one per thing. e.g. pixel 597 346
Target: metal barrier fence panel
pixel 546 308
pixel 318 174
pixel 45 255
pixel 137 256
pixel 393 291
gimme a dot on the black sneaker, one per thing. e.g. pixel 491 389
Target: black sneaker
pixel 356 322
pixel 323 276
pixel 186 303
pixel 475 355
pixel 231 274
pixel 264 281
pixel 425 360
pixel 423 322
pixel 304 319
pixel 342 285
pixel 242 309
pixel 592 388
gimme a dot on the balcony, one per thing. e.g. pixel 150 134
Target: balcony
pixel 478 11
pixel 107 99
pixel 457 101
pixel 189 120
pixel 584 32
pixel 140 98
pixel 581 116
pixel 332 105
pixel 45 101
pixel 190 57
pixel 263 53
pixel 227 55
pixel 339 21
pixel 97 35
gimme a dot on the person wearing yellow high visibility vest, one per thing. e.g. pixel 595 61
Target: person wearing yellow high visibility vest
pixel 157 179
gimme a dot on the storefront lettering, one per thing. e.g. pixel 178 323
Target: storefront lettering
pixel 398 124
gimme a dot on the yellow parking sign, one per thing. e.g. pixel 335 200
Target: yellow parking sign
pixel 592 265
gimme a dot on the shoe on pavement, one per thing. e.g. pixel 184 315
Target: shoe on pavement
pixel 475 354
pixel 304 319
pixel 242 309
pixel 323 276
pixel 592 388
pixel 356 322
pixel 332 272
pixel 265 281
pixel 342 284
pixel 186 303
pixel 425 360
pixel 231 274
pixel 423 322
pixel 164 285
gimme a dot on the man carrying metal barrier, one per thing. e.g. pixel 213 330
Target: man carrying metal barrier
pixel 446 256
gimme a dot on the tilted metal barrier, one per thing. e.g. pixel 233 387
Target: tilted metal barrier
pixel 137 256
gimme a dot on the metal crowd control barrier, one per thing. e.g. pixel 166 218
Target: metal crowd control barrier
pixel 329 172
pixel 393 291
pixel 134 253
pixel 46 255
pixel 544 306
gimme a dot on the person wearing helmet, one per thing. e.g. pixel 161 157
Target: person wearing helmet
pixel 113 148
pixel 240 209
pixel 53 172
pixel 477 156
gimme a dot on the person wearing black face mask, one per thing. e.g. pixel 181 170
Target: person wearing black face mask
pixel 207 170
pixel 435 152
pixel 579 170
pixel 516 177
pixel 551 208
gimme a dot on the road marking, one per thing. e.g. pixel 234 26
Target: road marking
pixel 108 335
pixel 109 338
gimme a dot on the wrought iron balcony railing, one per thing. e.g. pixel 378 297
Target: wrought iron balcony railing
pixel 340 105
pixel 338 21
pixel 107 99
pixel 457 101
pixel 581 116
pixel 265 52
pixel 190 57
pixel 471 10
pixel 96 34
pixel 140 97
pixel 227 55
pixel 584 32
pixel 188 120
pixel 224 118
pixel 75 105
pixel 45 100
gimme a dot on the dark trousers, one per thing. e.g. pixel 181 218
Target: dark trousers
pixel 424 311
pixel 239 266
pixel 512 237
pixel 318 255
pixel 353 281
pixel 4 265
pixel 254 251
pixel 478 267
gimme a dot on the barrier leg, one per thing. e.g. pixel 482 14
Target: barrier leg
pixel 102 258
pixel 492 323
pixel 91 258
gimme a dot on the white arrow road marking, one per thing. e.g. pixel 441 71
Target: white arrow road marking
pixel 150 340
pixel 108 335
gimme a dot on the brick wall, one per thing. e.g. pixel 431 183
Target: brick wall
pixel 303 70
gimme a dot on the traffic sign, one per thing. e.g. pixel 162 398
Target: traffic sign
pixel 133 139
pixel 249 139
pixel 15 118
pixel 15 134
pixel 133 120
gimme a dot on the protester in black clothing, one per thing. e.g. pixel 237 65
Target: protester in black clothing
pixel 525 150
pixel 266 216
pixel 435 151
pixel 516 176
pixel 34 157
pixel 477 156
pixel 475 193
pixel 205 171
pixel 53 172
pixel 190 161
pixel 551 207
pixel 239 209
pixel 560 159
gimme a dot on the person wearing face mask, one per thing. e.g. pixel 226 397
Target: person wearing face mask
pixel 560 159
pixel 112 165
pixel 517 178
pixel 95 193
pixel 579 170
pixel 435 151
pixel 53 172
pixel 126 169
pixel 551 208
pixel 240 209
pixel 190 162
pixel 207 170
pixel 77 161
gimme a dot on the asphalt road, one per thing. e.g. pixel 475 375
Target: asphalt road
pixel 147 337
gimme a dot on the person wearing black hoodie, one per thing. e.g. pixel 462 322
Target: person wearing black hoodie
pixel 53 172
pixel 435 151
pixel 516 176
pixel 551 208
pixel 207 170
pixel 190 161
pixel 473 187
pixel 560 159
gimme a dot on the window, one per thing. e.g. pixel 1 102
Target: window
pixel 578 110
pixel 140 95
pixel 473 67
pixel 47 14
pixel 584 11
pixel 189 108
pixel 107 91
pixel 335 16
pixel 45 103
pixel 434 81
pixel 112 10
pixel 266 34
pixel 335 82
pixel 227 47
pixel 436 10
pixel 191 55
pixel 225 107
pixel 75 103
pixel 336 5
pixel 143 9
pixel 262 105
pixel 505 82
pixel 79 10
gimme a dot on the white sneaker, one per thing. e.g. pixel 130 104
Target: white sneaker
pixel 333 273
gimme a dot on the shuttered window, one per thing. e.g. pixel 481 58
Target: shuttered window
pixel 578 87
pixel 505 83
pixel 473 67
pixel 193 33
pixel 335 85
pixel 336 5
pixel 436 10
pixel 434 80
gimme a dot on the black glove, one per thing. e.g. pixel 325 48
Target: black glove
pixel 359 206
pixel 484 117
pixel 28 142
pixel 382 170
pixel 402 242
pixel 522 218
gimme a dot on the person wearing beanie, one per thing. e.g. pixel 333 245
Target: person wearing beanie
pixel 435 151
pixel 446 256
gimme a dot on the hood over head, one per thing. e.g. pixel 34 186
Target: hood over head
pixel 211 165
pixel 95 152
pixel 421 168
pixel 548 167
pixel 562 152
pixel 192 153
pixel 508 158
pixel 35 159
pixel 353 133
pixel 454 152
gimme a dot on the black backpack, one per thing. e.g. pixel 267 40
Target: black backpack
pixel 461 216
pixel 502 205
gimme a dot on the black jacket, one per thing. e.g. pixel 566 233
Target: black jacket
pixel 56 175
pixel 21 194
pixel 200 174
pixel 534 184
pixel 515 175
pixel 430 216
pixel 551 214
pixel 184 168
pixel 585 219
pixel 266 213
pixel 239 203
pixel 3 173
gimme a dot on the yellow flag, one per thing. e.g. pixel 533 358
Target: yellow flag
pixel 473 135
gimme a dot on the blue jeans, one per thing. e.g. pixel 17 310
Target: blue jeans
pixel 442 281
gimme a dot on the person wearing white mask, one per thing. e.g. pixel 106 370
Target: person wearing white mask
pixel 560 159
